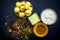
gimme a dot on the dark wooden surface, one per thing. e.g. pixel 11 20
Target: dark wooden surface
pixel 6 8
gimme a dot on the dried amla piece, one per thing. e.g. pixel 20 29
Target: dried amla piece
pixel 16 25
pixel 18 4
pixel 28 13
pixel 40 29
pixel 21 14
pixel 30 30
pixel 16 9
pixel 10 30
pixel 15 28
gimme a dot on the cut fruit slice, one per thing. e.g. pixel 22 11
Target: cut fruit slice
pixel 40 29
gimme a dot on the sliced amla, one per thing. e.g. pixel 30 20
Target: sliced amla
pixel 16 9
pixel 21 14
pixel 40 29
pixel 28 12
pixel 18 4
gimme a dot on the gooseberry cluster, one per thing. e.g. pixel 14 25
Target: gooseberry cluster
pixel 23 8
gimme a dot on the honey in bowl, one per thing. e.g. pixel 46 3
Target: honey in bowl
pixel 40 29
